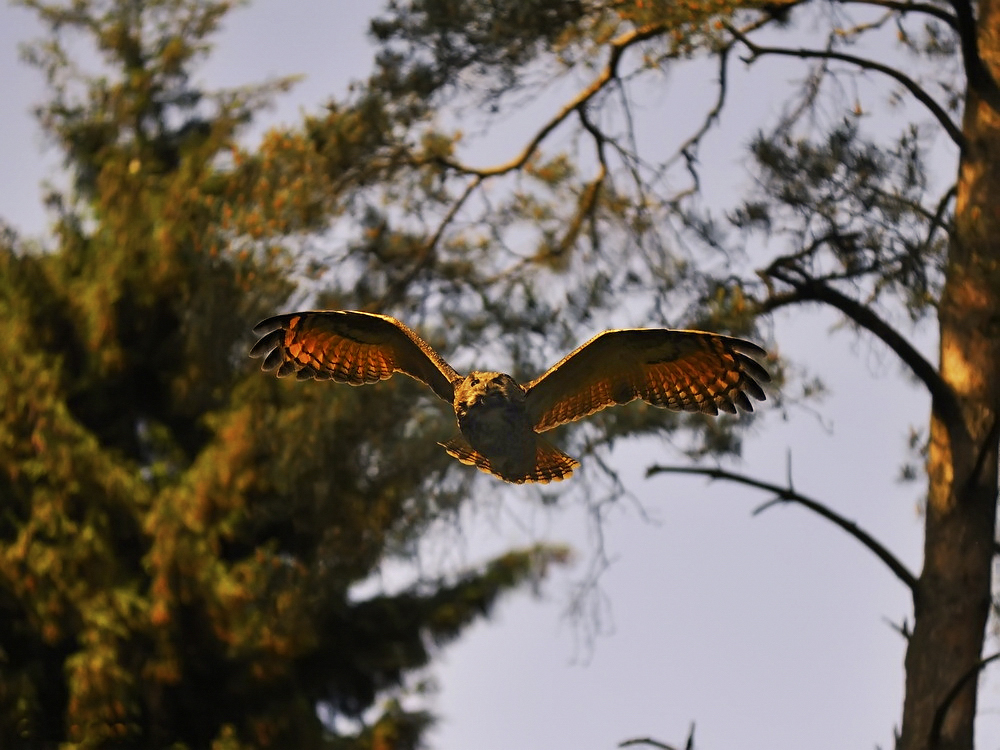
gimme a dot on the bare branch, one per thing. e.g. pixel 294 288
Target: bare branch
pixel 787 495
pixel 943 398
pixel 646 741
pixel 954 132
pixel 930 10
pixel 688 149
pixel 903 629
pixel 430 247
pixel 937 221
pixel 610 72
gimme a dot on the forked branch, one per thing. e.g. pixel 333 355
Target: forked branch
pixel 903 7
pixel 756 50
pixel 789 495
pixel 618 46
pixel 943 398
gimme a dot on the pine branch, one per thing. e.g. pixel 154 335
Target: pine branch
pixel 789 495
pixel 943 399
pixel 954 132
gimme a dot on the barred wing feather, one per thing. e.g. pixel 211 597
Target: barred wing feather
pixel 681 370
pixel 349 346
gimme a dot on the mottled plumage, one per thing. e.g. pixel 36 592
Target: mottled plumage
pixel 498 419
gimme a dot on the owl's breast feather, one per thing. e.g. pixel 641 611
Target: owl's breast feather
pixel 499 428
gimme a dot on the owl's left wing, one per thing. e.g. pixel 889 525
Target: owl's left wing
pixel 349 346
pixel 680 370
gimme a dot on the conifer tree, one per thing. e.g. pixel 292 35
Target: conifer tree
pixel 181 536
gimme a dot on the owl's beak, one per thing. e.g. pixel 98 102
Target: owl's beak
pixel 493 393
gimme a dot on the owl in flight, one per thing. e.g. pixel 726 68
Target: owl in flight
pixel 499 420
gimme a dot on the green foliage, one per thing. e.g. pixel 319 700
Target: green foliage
pixel 180 535
pixel 857 210
pixel 482 37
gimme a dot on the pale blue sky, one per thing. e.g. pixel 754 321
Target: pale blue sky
pixel 767 632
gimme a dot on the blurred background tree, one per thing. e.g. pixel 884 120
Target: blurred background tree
pixel 180 534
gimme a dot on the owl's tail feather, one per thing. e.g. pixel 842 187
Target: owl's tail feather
pixel 551 464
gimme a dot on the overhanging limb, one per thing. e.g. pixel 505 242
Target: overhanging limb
pixel 788 495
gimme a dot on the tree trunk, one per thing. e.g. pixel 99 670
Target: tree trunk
pixel 953 596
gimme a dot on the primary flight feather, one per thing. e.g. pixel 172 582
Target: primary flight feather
pixel 500 420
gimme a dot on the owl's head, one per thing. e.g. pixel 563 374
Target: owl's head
pixel 485 388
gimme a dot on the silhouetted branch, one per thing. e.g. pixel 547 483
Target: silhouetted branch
pixel 618 47
pixel 943 398
pixel 688 149
pixel 954 132
pixel 688 744
pixel 788 495
pixel 903 629
pixel 646 741
pixel 429 247
pixel 937 220
pixel 931 10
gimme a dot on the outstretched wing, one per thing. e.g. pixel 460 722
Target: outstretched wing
pixel 349 347
pixel 681 370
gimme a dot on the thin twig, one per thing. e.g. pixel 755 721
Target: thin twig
pixel 931 10
pixel 937 220
pixel 787 495
pixel 430 247
pixel 903 630
pixel 688 149
pixel 688 743
pixel 608 74
pixel 646 741
pixel 980 79
pixel 954 132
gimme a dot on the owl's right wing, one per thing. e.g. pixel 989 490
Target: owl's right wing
pixel 349 346
pixel 680 370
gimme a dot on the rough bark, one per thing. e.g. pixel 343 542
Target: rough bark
pixel 953 594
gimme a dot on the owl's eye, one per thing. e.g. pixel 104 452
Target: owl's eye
pixel 474 380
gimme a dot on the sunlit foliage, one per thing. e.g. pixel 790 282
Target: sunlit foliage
pixel 180 534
